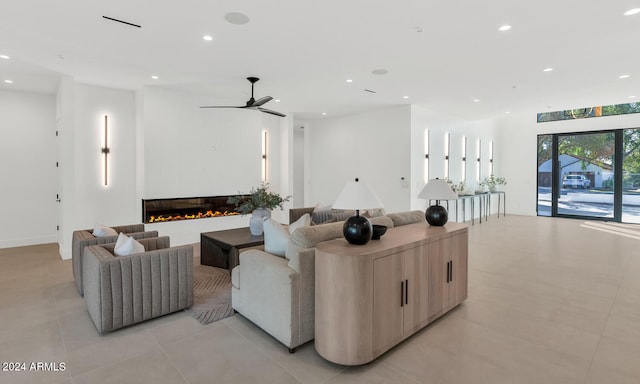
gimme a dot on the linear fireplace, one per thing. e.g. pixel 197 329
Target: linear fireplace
pixel 185 208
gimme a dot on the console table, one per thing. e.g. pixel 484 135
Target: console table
pixel 222 248
pixel 371 297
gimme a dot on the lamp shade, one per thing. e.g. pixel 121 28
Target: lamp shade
pixel 437 189
pixel 357 195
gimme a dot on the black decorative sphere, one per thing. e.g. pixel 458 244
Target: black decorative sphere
pixel 357 230
pixel 437 215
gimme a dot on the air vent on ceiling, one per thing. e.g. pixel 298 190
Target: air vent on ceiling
pixel 370 91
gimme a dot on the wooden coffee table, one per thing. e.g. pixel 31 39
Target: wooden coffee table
pixel 222 248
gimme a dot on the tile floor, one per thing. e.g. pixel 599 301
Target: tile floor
pixel 550 301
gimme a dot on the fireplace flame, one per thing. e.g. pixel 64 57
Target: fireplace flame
pixel 199 215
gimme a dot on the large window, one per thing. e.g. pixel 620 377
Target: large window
pixel 590 175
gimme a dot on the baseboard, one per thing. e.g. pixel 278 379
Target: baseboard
pixel 12 243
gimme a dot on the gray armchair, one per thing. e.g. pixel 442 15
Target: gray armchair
pixel 123 290
pixel 84 238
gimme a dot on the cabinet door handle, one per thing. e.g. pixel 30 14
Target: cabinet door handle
pixel 451 275
pixel 448 271
pixel 406 292
pixel 402 293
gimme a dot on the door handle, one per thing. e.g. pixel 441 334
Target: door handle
pixel 402 293
pixel 406 292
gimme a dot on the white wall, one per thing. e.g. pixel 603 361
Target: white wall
pixel 191 152
pixel 28 175
pixel 85 199
pixel 438 125
pixel 518 132
pixel 372 146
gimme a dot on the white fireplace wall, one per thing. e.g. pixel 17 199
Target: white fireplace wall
pixel 188 151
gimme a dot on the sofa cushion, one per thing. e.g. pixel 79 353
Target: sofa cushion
pixel 276 235
pixel 126 246
pixel 101 230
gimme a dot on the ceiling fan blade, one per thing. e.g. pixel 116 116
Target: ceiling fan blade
pixel 261 101
pixel 221 106
pixel 265 110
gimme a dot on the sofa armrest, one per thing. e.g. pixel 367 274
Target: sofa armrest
pixel 120 291
pixel 133 228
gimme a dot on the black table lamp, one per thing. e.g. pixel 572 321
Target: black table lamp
pixel 437 189
pixel 357 195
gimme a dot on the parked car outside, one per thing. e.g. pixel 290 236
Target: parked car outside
pixel 576 181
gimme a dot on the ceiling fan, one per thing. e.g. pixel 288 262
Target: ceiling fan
pixel 252 103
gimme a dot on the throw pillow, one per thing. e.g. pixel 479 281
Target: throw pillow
pixel 101 230
pixel 276 237
pixel 320 214
pixel 303 221
pixel 126 246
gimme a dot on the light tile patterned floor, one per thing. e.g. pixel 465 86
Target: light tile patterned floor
pixel 550 301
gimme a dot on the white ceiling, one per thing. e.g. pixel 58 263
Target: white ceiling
pixel 442 54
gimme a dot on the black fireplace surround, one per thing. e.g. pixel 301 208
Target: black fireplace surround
pixel 186 208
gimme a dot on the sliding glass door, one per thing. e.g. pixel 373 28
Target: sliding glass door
pixel 590 175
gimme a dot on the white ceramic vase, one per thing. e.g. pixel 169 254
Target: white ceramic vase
pixel 256 221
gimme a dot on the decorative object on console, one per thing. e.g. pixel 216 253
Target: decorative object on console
pixel 437 189
pixel 378 231
pixel 260 202
pixel 357 195
pixel 492 182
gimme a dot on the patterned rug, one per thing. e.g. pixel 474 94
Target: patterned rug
pixel 211 294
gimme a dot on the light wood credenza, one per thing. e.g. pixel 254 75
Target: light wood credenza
pixel 371 297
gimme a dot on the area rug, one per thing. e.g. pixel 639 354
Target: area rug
pixel 211 294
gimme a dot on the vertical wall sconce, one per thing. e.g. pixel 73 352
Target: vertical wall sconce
pixel 478 152
pixel 265 164
pixel 491 157
pixel 464 159
pixel 447 147
pixel 105 150
pixel 426 155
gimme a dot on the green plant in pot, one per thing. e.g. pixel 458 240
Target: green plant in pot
pixel 259 203
pixel 492 182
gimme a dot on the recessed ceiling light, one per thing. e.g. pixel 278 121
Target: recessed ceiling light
pixel 624 76
pixel 207 37
pixel 508 112
pixel 236 18
pixel 4 57
pixel 476 100
pixel 380 71
pixel 405 97
pixel 154 77
pixel 8 81
pixel 632 96
pixel 632 11
pixel 504 28
pixel 548 69
pixel 324 113
pixel 349 81
pixel 277 100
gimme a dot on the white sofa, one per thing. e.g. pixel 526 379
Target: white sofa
pixel 278 294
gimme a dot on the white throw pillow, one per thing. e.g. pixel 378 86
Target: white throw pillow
pixel 126 246
pixel 101 230
pixel 303 221
pixel 276 236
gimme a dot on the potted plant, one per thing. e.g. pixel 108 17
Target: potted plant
pixel 259 203
pixel 492 182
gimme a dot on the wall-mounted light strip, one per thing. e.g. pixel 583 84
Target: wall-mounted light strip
pixel 464 159
pixel 265 164
pixel 426 155
pixel 479 153
pixel 447 147
pixel 491 157
pixel 105 150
